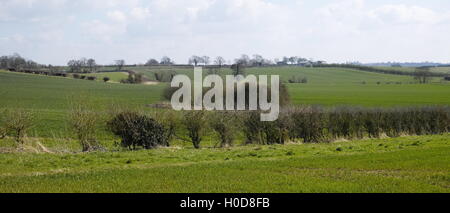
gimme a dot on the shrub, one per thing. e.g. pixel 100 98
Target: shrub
pixel 91 78
pixel 309 124
pixel 76 76
pixel 194 121
pixel 164 76
pixel 83 122
pixel 225 124
pixel 83 77
pixel 106 79
pixel 259 132
pixel 17 123
pixel 138 130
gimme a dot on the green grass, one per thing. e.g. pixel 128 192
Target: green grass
pixel 114 77
pixel 407 164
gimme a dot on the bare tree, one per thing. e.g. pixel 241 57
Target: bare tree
pixel 18 122
pixel 219 61
pixel 205 60
pixel 257 60
pixel 422 74
pixel 166 61
pixel 91 64
pixel 195 60
pixel 120 63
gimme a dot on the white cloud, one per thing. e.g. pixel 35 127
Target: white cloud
pixel 403 14
pixel 117 16
pixel 332 30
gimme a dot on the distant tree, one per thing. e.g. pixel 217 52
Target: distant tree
pixel 195 60
pixel 243 60
pixel 219 61
pixel 293 59
pixel 238 69
pixel 422 74
pixel 120 63
pixel 206 60
pixel 91 64
pixel 166 61
pixel 151 62
pixel 301 60
pixel 257 60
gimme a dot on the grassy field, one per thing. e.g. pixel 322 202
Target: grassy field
pixel 407 164
pixel 49 97
pixel 114 77
pixel 52 162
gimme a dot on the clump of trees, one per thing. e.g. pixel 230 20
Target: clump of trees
pixel 82 65
pixel 17 63
pixel 151 62
pixel 133 78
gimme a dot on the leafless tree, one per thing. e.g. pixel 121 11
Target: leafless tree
pixel 120 63
pixel 219 61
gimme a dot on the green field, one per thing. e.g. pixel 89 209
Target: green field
pixel 407 164
pixel 49 97
pixel 114 77
pixel 51 161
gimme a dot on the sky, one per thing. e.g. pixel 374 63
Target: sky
pixel 55 31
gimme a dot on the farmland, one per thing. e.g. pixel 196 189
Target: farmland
pixel 407 164
pixel 51 160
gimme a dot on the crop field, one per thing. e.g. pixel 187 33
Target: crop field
pixel 50 97
pixel 51 160
pixel 407 164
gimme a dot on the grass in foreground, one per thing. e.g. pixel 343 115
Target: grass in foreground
pixel 407 164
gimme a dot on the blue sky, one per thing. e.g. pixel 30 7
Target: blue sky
pixel 54 31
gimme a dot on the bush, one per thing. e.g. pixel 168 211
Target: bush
pixel 17 123
pixel 194 121
pixel 309 124
pixel 138 130
pixel 133 78
pixel 76 76
pixel 259 132
pixel 83 77
pixel 91 78
pixel 83 122
pixel 164 76
pixel 106 79
pixel 225 125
